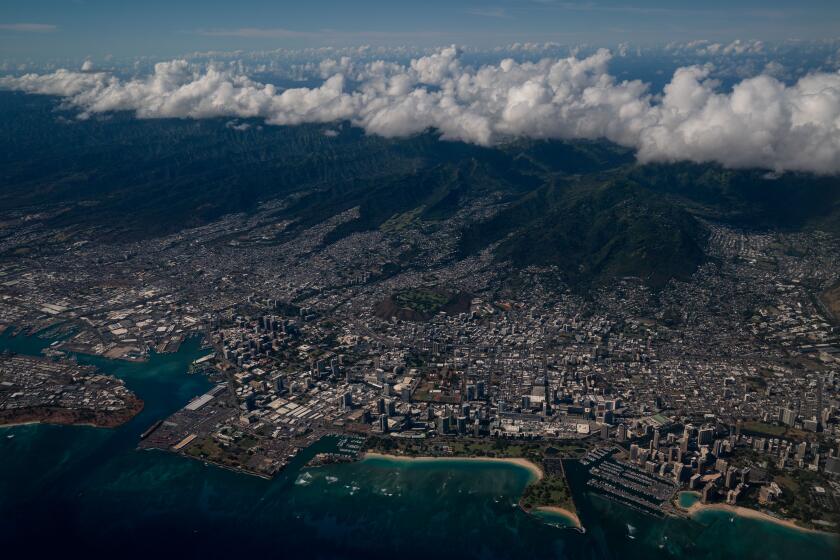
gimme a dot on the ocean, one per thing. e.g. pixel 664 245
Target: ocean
pixel 79 490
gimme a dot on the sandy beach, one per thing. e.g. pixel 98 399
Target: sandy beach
pixel 533 468
pixel 562 511
pixel 13 424
pixel 750 513
pixel 39 422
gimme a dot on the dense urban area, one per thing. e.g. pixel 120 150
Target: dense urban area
pixel 725 384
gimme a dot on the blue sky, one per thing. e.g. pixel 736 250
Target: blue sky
pixel 77 28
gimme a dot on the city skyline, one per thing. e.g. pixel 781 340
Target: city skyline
pixel 475 280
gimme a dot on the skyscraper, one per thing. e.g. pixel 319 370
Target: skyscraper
pixel 622 432
pixel 788 416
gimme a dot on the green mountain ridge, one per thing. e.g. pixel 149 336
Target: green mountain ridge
pixel 585 206
pixel 596 230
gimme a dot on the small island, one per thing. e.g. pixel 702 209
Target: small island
pixel 39 390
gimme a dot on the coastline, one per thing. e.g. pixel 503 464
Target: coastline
pixel 752 514
pixel 570 515
pixel 536 472
pixel 23 423
pixel 72 417
pixel 533 468
pixel 45 423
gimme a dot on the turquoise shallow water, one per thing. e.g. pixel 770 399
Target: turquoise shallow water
pixel 687 499
pixel 69 490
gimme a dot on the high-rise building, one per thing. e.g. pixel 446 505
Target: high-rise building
pixel 731 477
pixel 462 424
pixel 383 423
pixel 788 416
pixel 480 390
pixel 443 424
pixel 705 436
pixel 745 475
pixel 819 403
pixel 801 450
pixel 678 472
pixel 832 465
pixel 686 437
pixel 708 492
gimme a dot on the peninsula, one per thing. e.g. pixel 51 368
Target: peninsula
pixel 37 390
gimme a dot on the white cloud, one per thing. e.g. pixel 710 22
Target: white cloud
pixel 64 83
pixel 257 33
pixel 488 12
pixel 87 65
pixel 761 123
pixel 28 27
pixel 235 125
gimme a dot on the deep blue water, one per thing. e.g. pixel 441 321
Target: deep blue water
pixel 73 490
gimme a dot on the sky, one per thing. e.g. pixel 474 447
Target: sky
pixel 40 29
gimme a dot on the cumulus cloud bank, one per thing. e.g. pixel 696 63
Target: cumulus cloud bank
pixel 761 123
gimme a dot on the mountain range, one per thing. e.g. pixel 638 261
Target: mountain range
pixel 586 206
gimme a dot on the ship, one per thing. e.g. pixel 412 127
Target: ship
pixel 151 429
